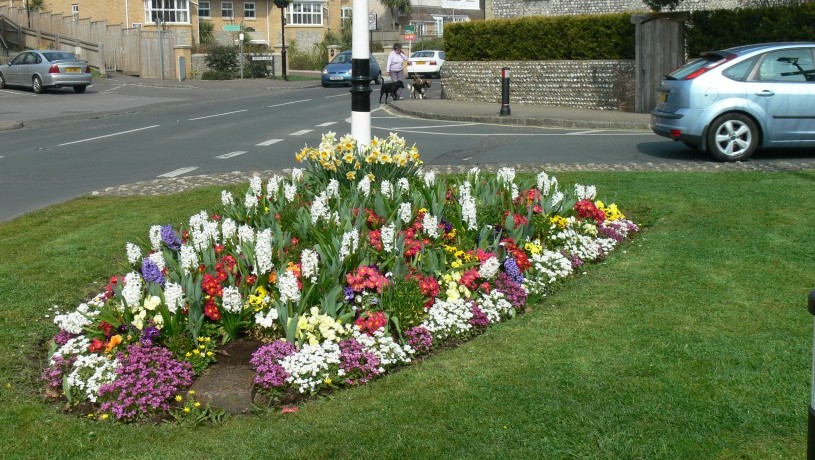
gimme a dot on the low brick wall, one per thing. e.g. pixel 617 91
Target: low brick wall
pixel 606 85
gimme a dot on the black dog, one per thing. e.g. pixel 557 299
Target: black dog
pixel 389 89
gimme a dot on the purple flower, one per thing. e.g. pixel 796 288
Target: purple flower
pixel 63 337
pixel 169 237
pixel 420 339
pixel 512 290
pixel 512 270
pixel 360 364
pixel 150 272
pixel 266 362
pixel 479 318
pixel 349 293
pixel 54 373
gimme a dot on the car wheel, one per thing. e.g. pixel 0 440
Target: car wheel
pixel 2 81
pixel 80 89
pixel 732 137
pixel 37 85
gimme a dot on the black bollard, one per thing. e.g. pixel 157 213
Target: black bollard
pixel 811 418
pixel 505 91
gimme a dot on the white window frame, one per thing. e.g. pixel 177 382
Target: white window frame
pixel 249 10
pixel 231 10
pixel 75 9
pixel 439 20
pixel 176 11
pixel 345 16
pixel 305 14
pixel 202 8
pixel 136 25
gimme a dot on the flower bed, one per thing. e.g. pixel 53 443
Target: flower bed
pixel 358 263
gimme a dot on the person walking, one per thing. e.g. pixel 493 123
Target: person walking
pixel 397 60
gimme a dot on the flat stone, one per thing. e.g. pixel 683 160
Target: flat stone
pixel 228 384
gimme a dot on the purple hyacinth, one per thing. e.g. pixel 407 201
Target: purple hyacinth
pixel 512 270
pixel 420 339
pixel 151 272
pixel 266 362
pixel 169 237
pixel 360 365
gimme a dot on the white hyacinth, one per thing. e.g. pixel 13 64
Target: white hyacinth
pixel 290 191
pixel 364 185
pixel 132 289
pixel 232 300
pixel 133 253
pixel 256 184
pixel 263 252
pixel 246 234
pixel 515 192
pixel 557 198
pixel 287 286
pixel 250 201
pixel 474 172
pixel 155 237
pixel 228 228
pixel 333 188
pixel 506 175
pixel 544 183
pixel 403 186
pixel 189 259
pixel 431 225
pixel 158 259
pixel 173 296
pixel 350 243
pixel 319 208
pixel 388 234
pixel 273 187
pixel 405 212
pixel 386 188
pixel 226 198
pixel 309 265
pixel 585 192
pixel 430 178
pixel 468 207
pixel 296 174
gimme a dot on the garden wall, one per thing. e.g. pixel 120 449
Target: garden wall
pixel 591 84
pixel 515 8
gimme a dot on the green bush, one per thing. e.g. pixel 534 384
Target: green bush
pixel 719 29
pixel 222 58
pixel 217 75
pixel 602 36
pixel 313 59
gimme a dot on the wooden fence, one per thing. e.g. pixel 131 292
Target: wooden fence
pixel 107 47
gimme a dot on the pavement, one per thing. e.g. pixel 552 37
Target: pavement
pixel 431 108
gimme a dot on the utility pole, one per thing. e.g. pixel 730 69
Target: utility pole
pixel 360 74
pixel 283 4
pixel 28 13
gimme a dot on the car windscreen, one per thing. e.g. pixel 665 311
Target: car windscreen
pixel 59 56
pixel 694 66
pixel 342 59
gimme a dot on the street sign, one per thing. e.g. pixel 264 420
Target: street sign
pixel 371 21
pixel 263 58
pixel 410 33
pixel 231 28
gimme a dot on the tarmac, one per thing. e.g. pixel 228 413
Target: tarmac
pixel 431 108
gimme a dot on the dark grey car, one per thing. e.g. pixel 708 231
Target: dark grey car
pixel 41 69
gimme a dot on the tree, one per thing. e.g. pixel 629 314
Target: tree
pixel 401 6
pixel 657 5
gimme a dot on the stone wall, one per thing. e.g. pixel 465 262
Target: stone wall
pixel 606 85
pixel 199 65
pixel 516 8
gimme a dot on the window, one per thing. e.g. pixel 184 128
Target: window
pixel 169 11
pixel 787 65
pixel 204 9
pixel 439 25
pixel 249 10
pixel 75 9
pixel 136 25
pixel 305 14
pixel 345 16
pixel 740 71
pixel 227 10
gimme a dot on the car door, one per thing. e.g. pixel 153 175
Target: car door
pixel 16 66
pixel 785 87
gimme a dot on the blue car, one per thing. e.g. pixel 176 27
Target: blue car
pixel 338 71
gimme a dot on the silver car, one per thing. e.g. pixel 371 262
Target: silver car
pixel 732 101
pixel 41 69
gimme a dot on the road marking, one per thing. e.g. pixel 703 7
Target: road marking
pixel 113 89
pixel 328 123
pixel 577 133
pixel 231 154
pixel 338 95
pixel 218 115
pixel 18 93
pixel 287 103
pixel 403 130
pixel 301 132
pixel 268 143
pixel 109 135
pixel 179 172
pixel 467 159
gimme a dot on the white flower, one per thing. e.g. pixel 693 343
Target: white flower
pixel 446 319
pixel 468 207
pixel 290 191
pixel 296 174
pixel 75 321
pixel 473 173
pixel 319 208
pixel 256 185
pixel 350 243
pixel 557 198
pixel 173 296
pixel 267 319
pixel 515 192
pixel 133 253
pixel 386 188
pixel 232 300
pixel 495 306
pixel 388 234
pixel 155 237
pixel 132 289
pixel 158 259
pixel 228 228
pixel 585 192
pixel 263 252
pixel 273 187
pixel 246 234
pixel 547 268
pixel 287 286
pixel 430 178
pixel 333 188
pixel 384 347
pixel 189 259
pixel 403 185
pixel 405 212
pixel 310 366
pixel 226 198
pixel 75 346
pixel 364 185
pixel 309 265
pixel 90 372
pixel 544 183
pixel 431 225
pixel 506 175
pixel 489 269
pixel 250 201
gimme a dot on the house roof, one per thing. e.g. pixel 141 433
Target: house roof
pixel 429 13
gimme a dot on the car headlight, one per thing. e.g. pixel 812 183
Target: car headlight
pixel 325 71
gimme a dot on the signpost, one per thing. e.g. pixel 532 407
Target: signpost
pixel 410 35
pixel 231 28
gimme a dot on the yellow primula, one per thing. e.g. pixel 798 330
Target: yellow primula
pixel 558 221
pixel 533 248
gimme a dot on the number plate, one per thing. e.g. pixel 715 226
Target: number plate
pixel 335 78
pixel 421 62
pixel 73 70
pixel 663 98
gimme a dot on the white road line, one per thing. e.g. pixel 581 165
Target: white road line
pixel 577 133
pixel 113 89
pixel 109 135
pixel 632 133
pixel 301 132
pixel 328 123
pixel 287 103
pixel 18 93
pixel 218 115
pixel 231 154
pixel 268 143
pixel 338 95
pixel 179 171
pixel 467 159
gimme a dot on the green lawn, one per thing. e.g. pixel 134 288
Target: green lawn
pixel 691 342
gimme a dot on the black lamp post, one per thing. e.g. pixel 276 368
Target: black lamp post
pixel 283 4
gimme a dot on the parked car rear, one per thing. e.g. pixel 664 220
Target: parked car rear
pixel 42 69
pixel 425 62
pixel 733 101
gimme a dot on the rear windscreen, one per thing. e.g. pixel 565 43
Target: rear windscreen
pixel 694 65
pixel 58 56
